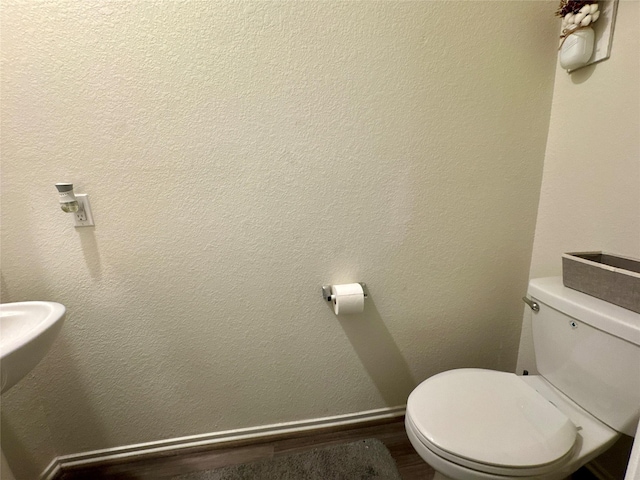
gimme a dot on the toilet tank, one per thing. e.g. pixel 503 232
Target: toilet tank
pixel 590 350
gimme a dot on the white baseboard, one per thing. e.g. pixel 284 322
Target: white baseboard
pixel 98 457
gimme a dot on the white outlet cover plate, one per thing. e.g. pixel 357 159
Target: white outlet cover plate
pixel 83 201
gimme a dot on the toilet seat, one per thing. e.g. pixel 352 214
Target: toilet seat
pixel 490 422
pixel 477 467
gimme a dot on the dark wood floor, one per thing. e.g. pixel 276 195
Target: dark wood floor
pixel 390 432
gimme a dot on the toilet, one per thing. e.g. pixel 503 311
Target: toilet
pixel 477 424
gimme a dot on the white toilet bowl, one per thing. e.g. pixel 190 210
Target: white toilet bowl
pixel 514 427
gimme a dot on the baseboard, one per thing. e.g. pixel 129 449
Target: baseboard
pixel 141 450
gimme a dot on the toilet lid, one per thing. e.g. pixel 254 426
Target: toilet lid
pixel 490 417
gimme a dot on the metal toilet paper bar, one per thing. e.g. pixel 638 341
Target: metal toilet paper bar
pixel 326 291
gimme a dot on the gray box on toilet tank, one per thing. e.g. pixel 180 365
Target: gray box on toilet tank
pixel 612 278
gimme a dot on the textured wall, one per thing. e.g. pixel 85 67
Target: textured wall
pixel 239 155
pixel 590 195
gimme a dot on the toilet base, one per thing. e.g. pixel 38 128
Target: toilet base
pixel 440 476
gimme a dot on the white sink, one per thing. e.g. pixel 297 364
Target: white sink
pixel 27 331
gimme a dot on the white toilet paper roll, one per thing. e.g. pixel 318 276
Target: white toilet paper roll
pixel 347 298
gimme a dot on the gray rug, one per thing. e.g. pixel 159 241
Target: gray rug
pixel 364 460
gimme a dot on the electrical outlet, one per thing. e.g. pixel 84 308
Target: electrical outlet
pixel 83 217
pixel 81 214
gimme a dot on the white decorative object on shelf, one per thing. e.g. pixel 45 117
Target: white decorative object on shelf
pixel 582 40
pixel 577 48
pixel 577 39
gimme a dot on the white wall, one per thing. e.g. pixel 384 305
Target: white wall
pixel 590 195
pixel 238 155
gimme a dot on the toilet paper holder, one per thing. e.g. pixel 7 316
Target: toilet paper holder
pixel 326 291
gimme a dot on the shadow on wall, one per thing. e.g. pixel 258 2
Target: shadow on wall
pixel 4 291
pixel 90 251
pixel 379 354
pixel 59 376
pixel 583 74
pixel 21 461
